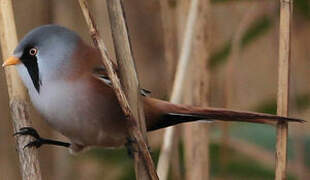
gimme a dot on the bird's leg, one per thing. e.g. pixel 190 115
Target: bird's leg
pixel 130 148
pixel 38 142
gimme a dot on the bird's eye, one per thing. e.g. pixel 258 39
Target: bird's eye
pixel 33 51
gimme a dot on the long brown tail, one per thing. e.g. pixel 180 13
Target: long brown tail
pixel 161 114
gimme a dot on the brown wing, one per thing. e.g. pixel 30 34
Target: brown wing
pixel 101 74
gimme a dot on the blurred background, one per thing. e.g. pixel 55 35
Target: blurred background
pixel 243 43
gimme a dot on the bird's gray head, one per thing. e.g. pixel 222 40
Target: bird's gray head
pixel 43 54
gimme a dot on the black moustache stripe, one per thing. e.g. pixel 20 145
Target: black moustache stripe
pixel 33 70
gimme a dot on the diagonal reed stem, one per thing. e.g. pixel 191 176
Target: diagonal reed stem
pixel 130 102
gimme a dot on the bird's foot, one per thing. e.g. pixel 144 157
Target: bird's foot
pixel 38 142
pixel 131 149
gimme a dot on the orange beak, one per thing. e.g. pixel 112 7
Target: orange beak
pixel 11 61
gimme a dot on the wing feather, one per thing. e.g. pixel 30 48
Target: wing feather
pixel 101 74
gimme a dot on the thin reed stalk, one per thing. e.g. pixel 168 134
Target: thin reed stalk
pixel 168 21
pixel 286 11
pixel 176 95
pixel 196 149
pixel 28 158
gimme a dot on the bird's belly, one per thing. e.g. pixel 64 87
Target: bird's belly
pixel 86 119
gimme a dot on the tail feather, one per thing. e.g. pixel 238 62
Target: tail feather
pixel 161 114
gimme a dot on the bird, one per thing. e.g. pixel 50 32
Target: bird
pixel 69 86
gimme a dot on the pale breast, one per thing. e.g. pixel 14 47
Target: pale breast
pixel 81 113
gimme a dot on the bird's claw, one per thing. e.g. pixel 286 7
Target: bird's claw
pixel 131 149
pixel 38 142
pixel 28 131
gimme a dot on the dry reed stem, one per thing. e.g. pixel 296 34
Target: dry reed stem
pixel 125 60
pixel 176 95
pixel 286 10
pixel 197 151
pixel 129 80
pixel 168 21
pixel 19 106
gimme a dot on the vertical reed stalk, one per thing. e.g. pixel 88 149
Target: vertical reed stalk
pixel 197 151
pixel 129 99
pixel 286 10
pixel 176 96
pixel 19 106
pixel 168 21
